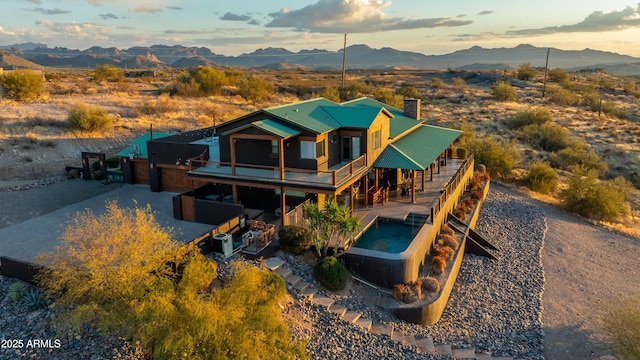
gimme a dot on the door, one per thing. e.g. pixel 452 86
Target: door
pixel 350 147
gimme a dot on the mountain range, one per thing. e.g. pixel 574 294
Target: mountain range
pixel 358 57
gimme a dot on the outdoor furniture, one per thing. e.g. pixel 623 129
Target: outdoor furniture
pixel 258 236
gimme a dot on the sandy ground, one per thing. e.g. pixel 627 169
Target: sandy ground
pixel 586 267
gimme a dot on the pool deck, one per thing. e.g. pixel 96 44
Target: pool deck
pixel 398 207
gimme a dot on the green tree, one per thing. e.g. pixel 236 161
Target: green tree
pixel 355 90
pixel 88 118
pixel 203 81
pixel 503 91
pixel 526 72
pixel 498 157
pixel 254 88
pixel 123 273
pixel 22 85
pixel 541 178
pixel 334 221
pixel 587 196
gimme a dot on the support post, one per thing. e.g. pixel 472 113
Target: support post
pixel 413 186
pixel 283 206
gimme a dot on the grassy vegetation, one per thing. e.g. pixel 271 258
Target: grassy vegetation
pixel 622 321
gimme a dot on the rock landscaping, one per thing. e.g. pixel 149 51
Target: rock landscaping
pixel 495 307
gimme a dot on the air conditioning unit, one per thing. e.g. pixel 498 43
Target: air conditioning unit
pixel 223 243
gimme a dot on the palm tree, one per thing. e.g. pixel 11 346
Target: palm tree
pixel 333 222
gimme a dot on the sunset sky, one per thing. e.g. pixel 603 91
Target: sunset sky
pixel 242 26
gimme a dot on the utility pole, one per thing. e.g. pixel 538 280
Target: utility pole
pixel 344 65
pixel 544 82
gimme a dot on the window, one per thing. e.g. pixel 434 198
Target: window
pixel 312 149
pixel 376 139
pixel 307 150
pixel 320 149
pixel 274 146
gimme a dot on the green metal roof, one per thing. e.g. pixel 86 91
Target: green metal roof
pixel 141 144
pixel 309 114
pixel 417 150
pixel 400 123
pixel 356 117
pixel 275 128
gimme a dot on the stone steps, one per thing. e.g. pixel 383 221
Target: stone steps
pixel 424 345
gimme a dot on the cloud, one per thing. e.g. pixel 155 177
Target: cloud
pixel 254 22
pixel 596 22
pixel 74 30
pixel 98 2
pixel 109 16
pixel 55 11
pixel 486 12
pixel 351 16
pixel 37 2
pixel 147 9
pixel 235 17
pixel 174 8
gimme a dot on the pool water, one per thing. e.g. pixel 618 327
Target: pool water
pixel 387 235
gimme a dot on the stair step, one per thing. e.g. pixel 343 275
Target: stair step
pixel 274 263
pixel 480 356
pixel 463 353
pixel 426 345
pixel 323 301
pixel 397 336
pixel 443 349
pixel 293 280
pixel 364 323
pixel 338 310
pixel 309 292
pixel 409 340
pixel 351 316
pixel 301 286
pixel 282 271
pixel 381 329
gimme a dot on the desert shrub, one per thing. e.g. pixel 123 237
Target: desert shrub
pixel 498 157
pixel 558 75
pixel 33 299
pixel 526 72
pixel 609 108
pixel 446 229
pixel 450 241
pixel 481 168
pixel 294 239
pixel 635 180
pixel 331 273
pixel 459 83
pixel 437 83
pixel 17 291
pixel 562 96
pixel 201 81
pixel 108 72
pixel 88 118
pixel 622 321
pixel 541 178
pixel 503 91
pixel 537 115
pixel 630 86
pixel 408 293
pixel 460 212
pixel 467 203
pixel 22 84
pixel 438 264
pixel 330 93
pixel 355 90
pixel 430 284
pixel 445 252
pixel 407 92
pixel 387 96
pixel 462 153
pixel 547 136
pixel 254 88
pixel 577 153
pixel 589 197
pixel 591 99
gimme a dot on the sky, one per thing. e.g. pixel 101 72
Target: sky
pixel 241 26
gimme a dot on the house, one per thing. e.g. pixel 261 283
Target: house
pixel 278 157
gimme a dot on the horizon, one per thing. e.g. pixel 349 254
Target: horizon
pixel 235 28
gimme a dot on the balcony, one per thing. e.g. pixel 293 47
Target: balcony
pixel 330 179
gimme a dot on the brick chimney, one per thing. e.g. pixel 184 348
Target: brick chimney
pixel 412 108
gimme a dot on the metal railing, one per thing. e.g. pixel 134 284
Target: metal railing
pixel 451 186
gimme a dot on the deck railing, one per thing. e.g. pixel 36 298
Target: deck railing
pixel 451 186
pixel 331 177
pixel 296 215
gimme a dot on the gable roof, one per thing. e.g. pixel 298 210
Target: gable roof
pixel 309 114
pixel 418 149
pixel 399 125
pixel 270 126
